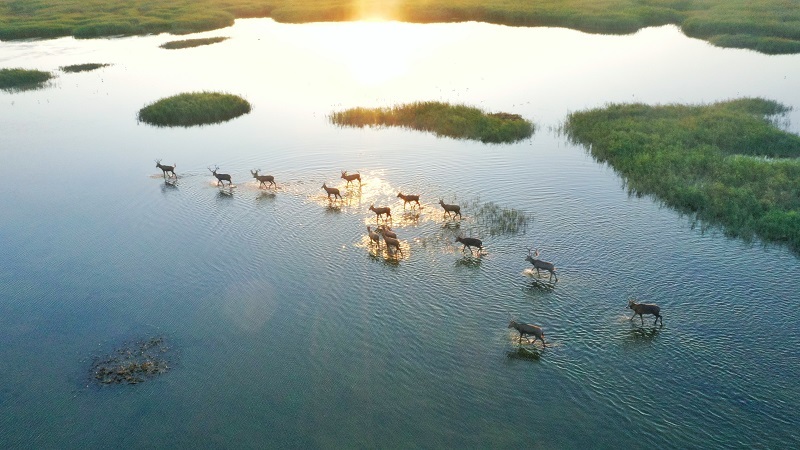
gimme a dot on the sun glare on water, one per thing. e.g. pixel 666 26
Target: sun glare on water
pixel 374 51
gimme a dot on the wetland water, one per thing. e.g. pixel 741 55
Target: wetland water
pixel 291 332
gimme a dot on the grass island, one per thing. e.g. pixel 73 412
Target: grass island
pixel 442 119
pixel 767 26
pixel 18 79
pixel 188 43
pixel 194 108
pixel 83 67
pixel 725 164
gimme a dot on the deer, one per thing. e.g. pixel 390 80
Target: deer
pixel 166 169
pixel 645 308
pixel 350 178
pixel 386 230
pixel 221 177
pixel 263 178
pixel 408 199
pixel 392 242
pixel 332 191
pixel 373 236
pixel 381 210
pixel 469 243
pixel 452 210
pixel 529 330
pixel 539 264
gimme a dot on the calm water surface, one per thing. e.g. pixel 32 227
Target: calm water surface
pixel 291 331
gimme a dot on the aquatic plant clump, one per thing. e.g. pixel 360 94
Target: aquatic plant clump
pixel 17 79
pixel 497 220
pixel 188 43
pixel 725 164
pixel 133 363
pixel 442 119
pixel 83 67
pixel 194 108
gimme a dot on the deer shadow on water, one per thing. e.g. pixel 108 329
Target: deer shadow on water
pixel 225 195
pixel 469 261
pixel 539 285
pixel 638 334
pixel 169 186
pixel 266 196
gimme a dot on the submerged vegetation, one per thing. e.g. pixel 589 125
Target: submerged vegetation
pixel 194 108
pixel 83 67
pixel 497 220
pixel 187 43
pixel 443 119
pixel 725 164
pixel 13 80
pixel 133 363
pixel 768 26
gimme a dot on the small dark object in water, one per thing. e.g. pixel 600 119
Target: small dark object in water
pixel 133 363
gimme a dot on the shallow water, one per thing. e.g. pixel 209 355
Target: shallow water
pixel 292 331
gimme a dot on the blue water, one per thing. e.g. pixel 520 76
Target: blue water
pixel 288 330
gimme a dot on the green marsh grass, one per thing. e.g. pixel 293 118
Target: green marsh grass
pixel 769 26
pixel 442 119
pixel 18 79
pixel 724 164
pixel 188 43
pixel 194 108
pixel 83 67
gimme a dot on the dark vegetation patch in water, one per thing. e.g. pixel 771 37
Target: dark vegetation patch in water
pixel 83 67
pixel 18 79
pixel 188 43
pixel 724 164
pixel 442 119
pixel 194 108
pixel 495 219
pixel 768 26
pixel 133 363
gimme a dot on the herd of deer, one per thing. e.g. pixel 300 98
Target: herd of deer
pixel 392 242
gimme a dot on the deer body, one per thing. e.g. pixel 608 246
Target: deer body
pixel 392 242
pixel 529 330
pixel 539 264
pixel 386 231
pixel 408 199
pixel 263 178
pixel 332 191
pixel 381 210
pixel 351 177
pixel 469 243
pixel 452 210
pixel 645 308
pixel 373 236
pixel 221 177
pixel 165 169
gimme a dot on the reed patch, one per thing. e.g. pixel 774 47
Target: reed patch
pixel 725 164
pixel 188 43
pixel 194 108
pixel 442 119
pixel 82 67
pixel 18 79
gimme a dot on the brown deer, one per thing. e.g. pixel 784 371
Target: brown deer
pixel 529 330
pixel 645 308
pixel 373 236
pixel 408 199
pixel 392 242
pixel 539 264
pixel 263 179
pixel 469 243
pixel 221 177
pixel 332 191
pixel 386 230
pixel 381 210
pixel 450 209
pixel 165 169
pixel 350 178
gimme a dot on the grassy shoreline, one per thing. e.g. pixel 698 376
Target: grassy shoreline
pixel 442 119
pixel 767 26
pixel 725 164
